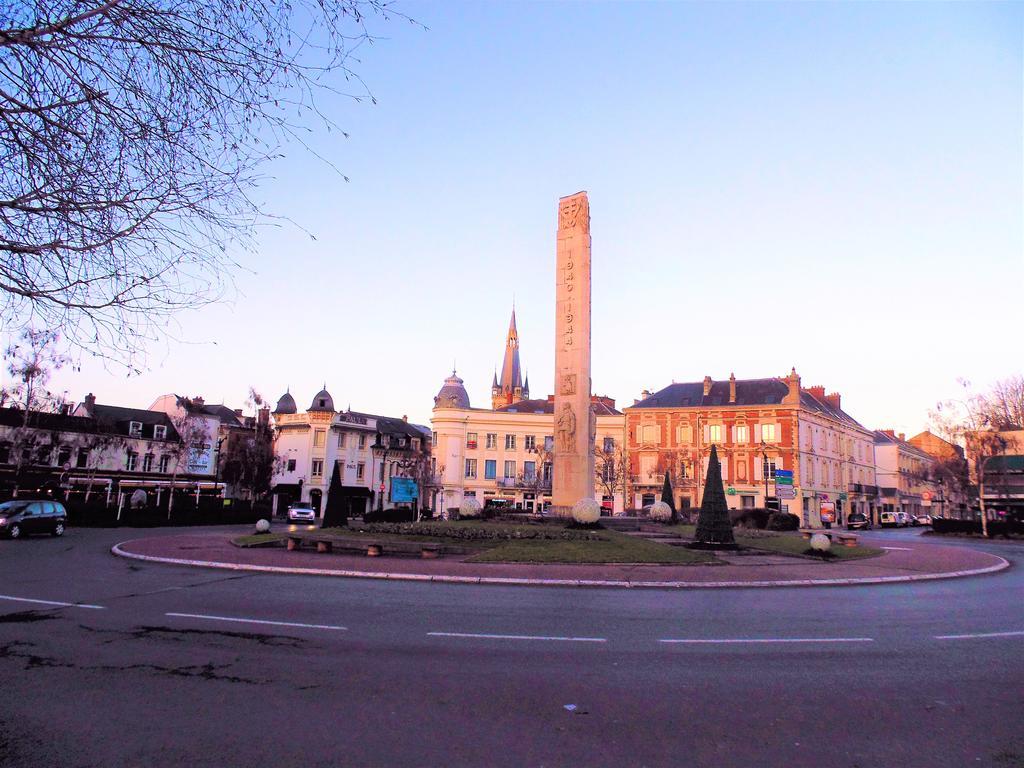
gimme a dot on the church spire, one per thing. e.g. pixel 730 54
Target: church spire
pixel 509 388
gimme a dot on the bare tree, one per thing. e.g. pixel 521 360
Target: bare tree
pixel 972 422
pixel 611 469
pixel 1005 403
pixel 191 445
pixel 131 137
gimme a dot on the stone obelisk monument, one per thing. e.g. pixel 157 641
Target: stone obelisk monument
pixel 574 423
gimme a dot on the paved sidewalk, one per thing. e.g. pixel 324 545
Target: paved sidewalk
pixel 913 562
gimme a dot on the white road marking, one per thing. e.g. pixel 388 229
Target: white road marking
pixel 737 640
pixel 519 637
pixel 255 621
pixel 52 602
pixel 981 634
pixel 900 549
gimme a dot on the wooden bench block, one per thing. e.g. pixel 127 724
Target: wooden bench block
pixel 294 543
pixel 847 539
pixel 430 551
pixel 373 550
pixel 323 546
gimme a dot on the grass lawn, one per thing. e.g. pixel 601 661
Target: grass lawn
pixel 783 543
pixel 613 548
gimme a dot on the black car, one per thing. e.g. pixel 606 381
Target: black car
pixel 22 517
pixel 857 520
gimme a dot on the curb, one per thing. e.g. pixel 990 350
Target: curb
pixel 511 581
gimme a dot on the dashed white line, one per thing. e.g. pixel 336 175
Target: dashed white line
pixel 479 636
pixel 980 634
pixel 899 549
pixel 738 640
pixel 54 603
pixel 242 620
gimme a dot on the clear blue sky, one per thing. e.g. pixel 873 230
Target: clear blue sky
pixel 836 187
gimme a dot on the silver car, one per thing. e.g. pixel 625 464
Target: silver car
pixel 301 512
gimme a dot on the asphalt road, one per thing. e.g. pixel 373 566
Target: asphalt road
pixel 155 665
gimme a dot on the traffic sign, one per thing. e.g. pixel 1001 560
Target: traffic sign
pixel 785 492
pixel 783 476
pixel 730 491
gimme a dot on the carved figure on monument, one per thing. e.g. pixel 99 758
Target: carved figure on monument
pixel 568 384
pixel 567 429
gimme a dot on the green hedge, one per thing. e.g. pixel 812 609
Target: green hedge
pixel 474 531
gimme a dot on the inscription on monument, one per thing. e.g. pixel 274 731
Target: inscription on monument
pixel 574 420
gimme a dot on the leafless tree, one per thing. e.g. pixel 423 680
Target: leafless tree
pixel 131 137
pixel 1005 403
pixel 611 469
pixel 972 422
pixel 191 445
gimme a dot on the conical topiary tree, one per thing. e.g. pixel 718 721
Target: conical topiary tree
pixel 714 528
pixel 666 496
pixel 336 511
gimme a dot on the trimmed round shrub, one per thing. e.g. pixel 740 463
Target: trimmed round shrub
pixel 661 512
pixel 469 508
pixel 783 521
pixel 586 511
pixel 262 525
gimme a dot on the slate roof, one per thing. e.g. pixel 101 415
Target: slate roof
pixel 691 394
pixel 14 417
pixel 749 392
pixel 882 438
pixel 548 406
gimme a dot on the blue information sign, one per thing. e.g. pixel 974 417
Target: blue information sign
pixel 404 489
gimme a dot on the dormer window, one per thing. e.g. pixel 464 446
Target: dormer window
pixel 159 432
pixel 135 429
pixel 323 402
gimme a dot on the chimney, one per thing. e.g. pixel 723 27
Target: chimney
pixel 198 401
pixel 817 391
pixel 645 394
pixel 903 437
pixel 888 432
pixel 405 418
pixel 834 400
pixel 793 385
pixel 238 412
pixel 732 387
pixel 707 386
pixel 89 403
pixel 263 415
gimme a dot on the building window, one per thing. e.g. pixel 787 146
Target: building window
pixel 492 440
pixel 43 454
pixel 165 462
pixel 684 435
pixel 5 453
pixel 362 441
pixel 715 433
pixel 415 443
pixel 768 433
pixel 134 429
pixel 490 469
pixel 510 442
pixel 160 432
pixel 471 439
pixel 510 470
pixel 341 439
pixel 741 433
pixel 471 469
pixel 147 462
pixel 530 442
pixel 530 471
pixel 319 437
pixel 433 437
pixel 64 456
pixel 291 465
pixel 609 444
pixel 360 470
pixel 318 468
pixel 549 443
pixel 546 472
pixel 131 459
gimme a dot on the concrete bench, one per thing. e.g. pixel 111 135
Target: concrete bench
pixel 428 550
pixel 847 539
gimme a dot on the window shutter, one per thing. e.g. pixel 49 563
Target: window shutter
pixel 778 463
pixel 707 437
pixel 725 468
pixel 759 467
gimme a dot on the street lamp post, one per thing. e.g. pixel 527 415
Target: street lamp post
pixel 764 471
